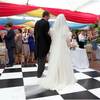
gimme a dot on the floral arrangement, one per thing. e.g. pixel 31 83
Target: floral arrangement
pixel 73 46
pixel 96 29
pixel 97 35
pixel 10 24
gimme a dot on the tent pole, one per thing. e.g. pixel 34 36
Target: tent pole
pixel 89 1
pixel 27 2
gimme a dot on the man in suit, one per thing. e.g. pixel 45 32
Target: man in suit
pixel 10 43
pixel 42 41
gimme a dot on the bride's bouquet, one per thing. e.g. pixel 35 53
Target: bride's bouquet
pixel 73 46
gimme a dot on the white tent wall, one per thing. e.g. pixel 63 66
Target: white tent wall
pixel 84 28
pixel 93 7
pixel 63 4
pixel 87 6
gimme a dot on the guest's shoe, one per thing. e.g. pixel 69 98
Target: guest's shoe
pixel 9 65
pixel 34 65
pixel 32 61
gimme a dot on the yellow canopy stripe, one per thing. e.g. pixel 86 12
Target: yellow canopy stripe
pixel 27 28
pixel 37 13
pixel 31 23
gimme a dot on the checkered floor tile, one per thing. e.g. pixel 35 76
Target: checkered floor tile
pixel 20 77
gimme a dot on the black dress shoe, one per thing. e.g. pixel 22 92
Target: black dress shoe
pixel 39 76
pixel 9 65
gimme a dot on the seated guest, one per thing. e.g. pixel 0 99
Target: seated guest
pixel 81 40
pixel 18 41
pixel 25 47
pixel 10 43
pixel 31 43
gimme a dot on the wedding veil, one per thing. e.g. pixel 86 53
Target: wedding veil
pixel 60 29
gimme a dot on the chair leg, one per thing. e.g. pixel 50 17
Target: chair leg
pixel 91 57
pixel 16 59
pixel 27 59
pixel 21 59
pixel 5 60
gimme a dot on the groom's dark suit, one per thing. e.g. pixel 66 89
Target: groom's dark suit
pixel 42 43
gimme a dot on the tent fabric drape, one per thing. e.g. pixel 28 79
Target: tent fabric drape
pixel 30 23
pixel 73 25
pixel 3 21
pixel 8 9
pixel 37 12
pixel 13 27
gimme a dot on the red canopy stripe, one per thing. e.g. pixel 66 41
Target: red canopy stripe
pixel 13 27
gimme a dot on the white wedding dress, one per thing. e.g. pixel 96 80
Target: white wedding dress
pixel 60 72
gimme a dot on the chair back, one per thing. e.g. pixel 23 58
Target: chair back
pixel 2 49
pixel 88 48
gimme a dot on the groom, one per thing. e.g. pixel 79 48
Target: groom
pixel 42 41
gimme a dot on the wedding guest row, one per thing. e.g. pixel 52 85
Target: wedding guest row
pixel 18 43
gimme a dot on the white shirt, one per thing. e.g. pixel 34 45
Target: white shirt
pixel 81 38
pixel 25 40
pixel 70 34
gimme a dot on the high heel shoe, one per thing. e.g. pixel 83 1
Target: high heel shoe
pixel 32 61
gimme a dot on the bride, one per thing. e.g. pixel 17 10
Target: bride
pixel 60 72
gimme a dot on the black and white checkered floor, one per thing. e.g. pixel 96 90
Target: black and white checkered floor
pixel 87 87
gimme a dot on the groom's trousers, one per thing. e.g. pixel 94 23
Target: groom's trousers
pixel 41 66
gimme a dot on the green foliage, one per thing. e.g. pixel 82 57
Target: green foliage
pixel 97 37
pixel 76 31
pixel 94 25
pixel 99 28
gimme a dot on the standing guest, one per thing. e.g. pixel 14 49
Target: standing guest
pixel 70 33
pixel 42 41
pixel 86 38
pixel 94 44
pixel 81 40
pixel 1 36
pixel 10 42
pixel 1 39
pixel 89 37
pixel 25 47
pixel 73 38
pixel 18 40
pixel 77 37
pixel 31 43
